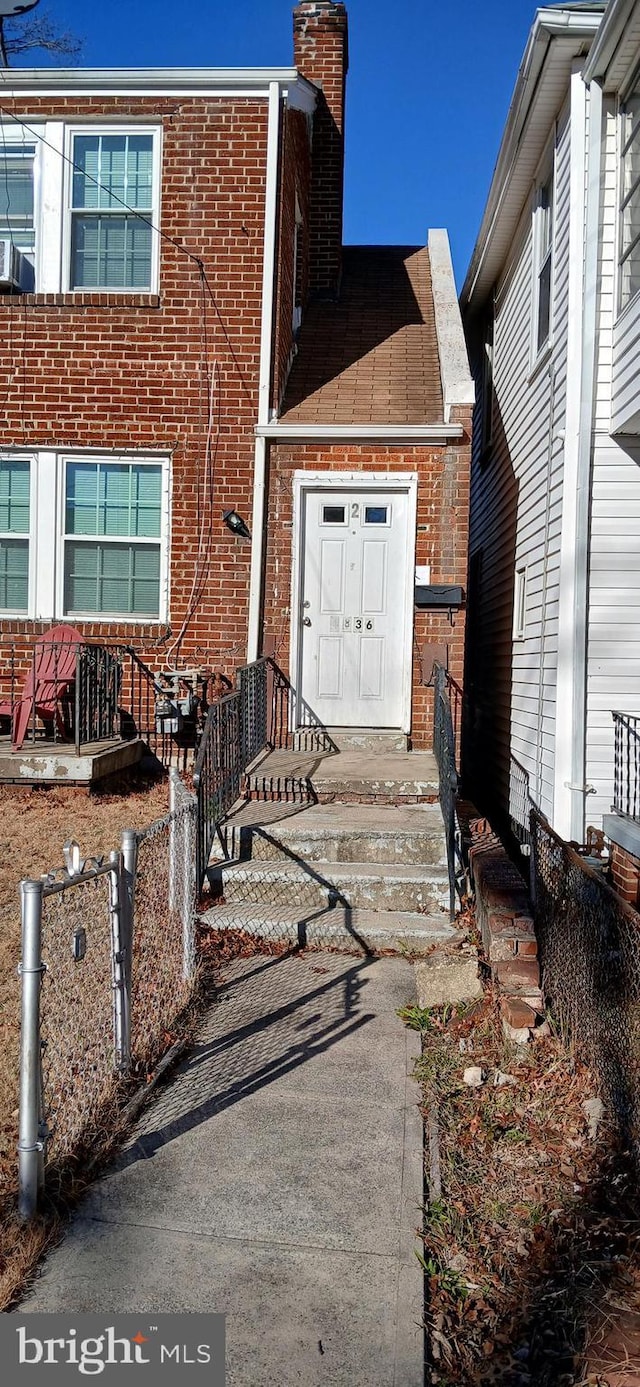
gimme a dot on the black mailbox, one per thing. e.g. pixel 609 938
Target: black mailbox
pixel 439 595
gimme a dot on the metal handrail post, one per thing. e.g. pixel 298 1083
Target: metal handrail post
pixel 31 1139
pixel 78 699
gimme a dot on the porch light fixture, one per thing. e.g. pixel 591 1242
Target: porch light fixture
pixel 236 524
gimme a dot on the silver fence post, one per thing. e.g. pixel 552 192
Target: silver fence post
pixel 31 1136
pixel 182 868
pixel 121 1027
pixel 173 837
pixel 128 861
pixel 189 891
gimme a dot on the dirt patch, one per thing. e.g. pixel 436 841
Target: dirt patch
pixel 531 1232
pixel 34 825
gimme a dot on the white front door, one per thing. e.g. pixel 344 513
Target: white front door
pixel 353 607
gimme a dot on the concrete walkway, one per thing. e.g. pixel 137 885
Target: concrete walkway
pixel 277 1177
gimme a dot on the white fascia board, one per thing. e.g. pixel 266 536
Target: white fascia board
pixel 158 81
pixel 378 433
pixel 569 28
pixel 457 382
pixel 610 35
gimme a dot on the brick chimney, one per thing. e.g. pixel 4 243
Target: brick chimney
pixel 320 48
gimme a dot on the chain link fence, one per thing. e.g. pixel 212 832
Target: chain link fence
pixel 589 941
pixel 108 963
pixel 163 945
pixel 76 1008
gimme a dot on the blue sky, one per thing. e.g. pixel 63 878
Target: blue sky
pixel 428 92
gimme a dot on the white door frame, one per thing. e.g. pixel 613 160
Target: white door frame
pixel 351 481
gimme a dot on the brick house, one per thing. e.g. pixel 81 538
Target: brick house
pixel 184 338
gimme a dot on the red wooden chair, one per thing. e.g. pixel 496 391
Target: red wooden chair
pixel 50 678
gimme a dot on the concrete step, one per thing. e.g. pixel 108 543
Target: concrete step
pixel 349 777
pixel 371 885
pixel 337 833
pixel 356 930
pixel 367 739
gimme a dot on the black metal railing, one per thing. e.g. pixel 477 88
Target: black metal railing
pixel 520 805
pixel 253 688
pixel 444 749
pixel 237 729
pixel 98 682
pixel 86 692
pixel 626 773
pixel 60 691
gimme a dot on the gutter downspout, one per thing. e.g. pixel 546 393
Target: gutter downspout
pixel 570 769
pixel 264 387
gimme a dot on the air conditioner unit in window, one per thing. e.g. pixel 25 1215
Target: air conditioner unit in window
pixel 10 265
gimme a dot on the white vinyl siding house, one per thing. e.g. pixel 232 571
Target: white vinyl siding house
pixel 558 495
pixel 516 499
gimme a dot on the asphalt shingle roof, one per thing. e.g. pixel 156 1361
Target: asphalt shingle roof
pixel 372 355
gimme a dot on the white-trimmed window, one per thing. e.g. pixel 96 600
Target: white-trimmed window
pixel 112 203
pixel 84 537
pixel 15 516
pixel 543 262
pixel 81 204
pixel 520 604
pixel 629 216
pixel 112 538
pixel 19 179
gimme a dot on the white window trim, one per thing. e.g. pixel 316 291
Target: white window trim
pixel 546 175
pixel 630 85
pixel 520 603
pixel 23 455
pixel 100 128
pixel 18 135
pixel 52 198
pixel 47 535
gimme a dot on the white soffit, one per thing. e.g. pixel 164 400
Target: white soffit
pixel 617 46
pixel 159 81
pixel 557 38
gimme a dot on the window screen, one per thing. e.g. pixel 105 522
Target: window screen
pixel 106 504
pixel 14 522
pixel 111 247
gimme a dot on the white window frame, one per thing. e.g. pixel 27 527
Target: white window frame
pixel 543 254
pixel 100 128
pixel 47 496
pixel 23 455
pixel 16 134
pixel 630 88
pixel 520 603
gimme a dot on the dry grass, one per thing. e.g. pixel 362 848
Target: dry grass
pixel 533 1237
pixel 34 824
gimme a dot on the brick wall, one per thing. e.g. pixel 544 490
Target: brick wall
pixel 320 46
pixel 118 371
pixel 441 541
pixel 295 182
pixel 625 874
